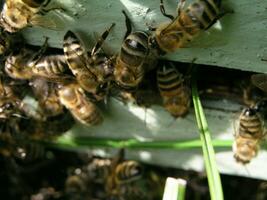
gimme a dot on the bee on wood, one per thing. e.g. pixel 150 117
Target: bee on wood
pixel 74 99
pixel 18 14
pixel 135 58
pixel 250 133
pixel 174 90
pixel 189 22
pixel 26 64
pixel 92 70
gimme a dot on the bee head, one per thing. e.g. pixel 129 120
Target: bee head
pixel 249 111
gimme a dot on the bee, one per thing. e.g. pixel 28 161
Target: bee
pixel 122 173
pixel 92 70
pixel 74 99
pixel 174 90
pixel 134 59
pixel 12 102
pixel 26 64
pixel 46 93
pixel 189 22
pixel 29 152
pixel 249 135
pixel 18 14
pixel 16 65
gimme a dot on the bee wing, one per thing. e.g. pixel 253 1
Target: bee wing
pixel 260 81
pixel 75 48
pixel 54 23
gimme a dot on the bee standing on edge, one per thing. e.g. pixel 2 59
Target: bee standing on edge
pixel 174 90
pixel 17 14
pixel 186 25
pixel 250 132
pixel 93 70
pixel 134 59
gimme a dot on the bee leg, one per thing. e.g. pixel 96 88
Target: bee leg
pixel 180 6
pixel 36 58
pixel 162 10
pixel 101 40
pixel 45 11
pixel 128 24
pixel 219 16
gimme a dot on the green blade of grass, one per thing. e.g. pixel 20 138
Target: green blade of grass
pixel 214 179
pixel 174 189
pixel 70 142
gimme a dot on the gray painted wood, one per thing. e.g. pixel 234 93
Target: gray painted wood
pixel 239 42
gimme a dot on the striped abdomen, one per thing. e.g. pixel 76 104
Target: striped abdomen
pixel 77 60
pixel 130 69
pixel 198 16
pixel 74 99
pixel 250 124
pixel 52 66
pixel 175 93
pixel 128 171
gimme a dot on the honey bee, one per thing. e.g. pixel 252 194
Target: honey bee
pixel 18 14
pixel 46 93
pixel 74 99
pixel 12 102
pixel 249 135
pixel 26 64
pixel 16 65
pixel 29 152
pixel 135 58
pixel 187 25
pixel 174 90
pixel 93 70
pixel 121 175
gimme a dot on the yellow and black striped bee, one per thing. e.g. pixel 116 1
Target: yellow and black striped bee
pixel 249 134
pixel 17 14
pixel 189 22
pixel 74 99
pixel 26 64
pixel 134 59
pixel 92 70
pixel 174 90
pixel 122 173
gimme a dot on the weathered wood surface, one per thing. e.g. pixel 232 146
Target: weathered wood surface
pixel 241 43
pixel 237 41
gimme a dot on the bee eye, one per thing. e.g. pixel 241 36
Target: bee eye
pixel 249 112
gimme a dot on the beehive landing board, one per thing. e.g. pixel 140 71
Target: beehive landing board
pixel 238 42
pixel 154 123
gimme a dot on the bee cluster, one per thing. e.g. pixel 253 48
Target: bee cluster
pixel 68 84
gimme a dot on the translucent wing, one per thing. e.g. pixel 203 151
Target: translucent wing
pixel 54 23
pixel 260 81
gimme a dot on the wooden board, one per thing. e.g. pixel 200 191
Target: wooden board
pixel 238 41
